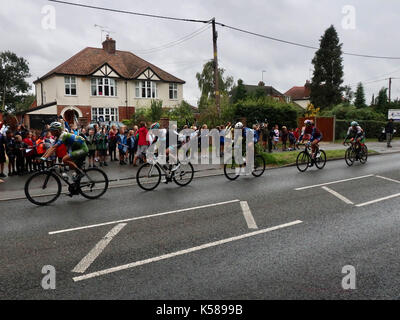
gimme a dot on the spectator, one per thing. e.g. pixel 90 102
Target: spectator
pixel 284 136
pixel 30 152
pixel 19 150
pixel 141 137
pixel 389 130
pixel 101 146
pixel 122 145
pixel 265 136
pixel 40 150
pixel 221 140
pixel 131 141
pixel 2 155
pixel 276 136
pixel 91 143
pixel 10 151
pixel 112 143
pixel 292 140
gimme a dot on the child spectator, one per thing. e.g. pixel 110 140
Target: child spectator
pixel 91 143
pixel 276 136
pixel 122 145
pixel 20 148
pixel 131 141
pixel 30 152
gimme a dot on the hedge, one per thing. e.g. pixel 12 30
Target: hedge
pixel 373 129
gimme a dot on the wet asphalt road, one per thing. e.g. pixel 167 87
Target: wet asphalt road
pixel 229 255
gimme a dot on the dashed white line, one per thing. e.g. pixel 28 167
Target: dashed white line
pixel 143 217
pixel 333 182
pixel 338 195
pixel 182 252
pixel 247 215
pixel 82 266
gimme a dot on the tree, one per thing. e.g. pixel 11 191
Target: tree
pixel 183 114
pixel 326 84
pixel 359 102
pixel 25 103
pixel 13 71
pixel 205 81
pixel 311 111
pixel 239 92
pixel 348 95
pixel 156 110
pixel 373 100
pixel 382 101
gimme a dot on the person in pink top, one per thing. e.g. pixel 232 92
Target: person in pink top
pixel 143 144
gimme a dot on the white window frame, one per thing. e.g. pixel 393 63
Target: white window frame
pixel 102 85
pixel 69 84
pixel 149 87
pixel 173 89
pixel 108 113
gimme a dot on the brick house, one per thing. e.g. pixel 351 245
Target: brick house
pixel 102 84
pixel 300 95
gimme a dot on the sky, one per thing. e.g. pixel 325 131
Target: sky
pixel 368 27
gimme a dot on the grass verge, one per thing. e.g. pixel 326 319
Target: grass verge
pixel 288 158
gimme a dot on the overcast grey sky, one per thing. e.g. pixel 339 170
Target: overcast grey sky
pixel 243 56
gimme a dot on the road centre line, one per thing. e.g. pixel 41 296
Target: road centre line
pixel 85 263
pixel 251 223
pixel 182 252
pixel 143 217
pixel 378 200
pixel 388 179
pixel 333 182
pixel 337 195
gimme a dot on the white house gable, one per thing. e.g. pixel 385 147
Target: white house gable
pixel 106 71
pixel 148 74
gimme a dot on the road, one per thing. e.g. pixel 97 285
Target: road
pixel 286 235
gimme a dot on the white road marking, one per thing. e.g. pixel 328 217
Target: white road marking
pixel 338 195
pixel 182 252
pixel 247 215
pixel 143 217
pixel 82 266
pixel 378 200
pixel 333 182
pixel 388 179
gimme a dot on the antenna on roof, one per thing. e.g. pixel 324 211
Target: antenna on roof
pixel 103 29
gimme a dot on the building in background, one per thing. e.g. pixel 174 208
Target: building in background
pixel 102 84
pixel 300 95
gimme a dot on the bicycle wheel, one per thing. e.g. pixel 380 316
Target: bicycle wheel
pixel 320 160
pixel 364 154
pixel 349 157
pixel 232 170
pixel 148 176
pixel 303 161
pixel 184 175
pixel 93 184
pixel 43 188
pixel 259 166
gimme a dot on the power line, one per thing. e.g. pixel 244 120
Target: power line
pixel 302 45
pixel 127 12
pixel 175 42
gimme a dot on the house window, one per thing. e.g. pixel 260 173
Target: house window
pixel 105 114
pixel 103 87
pixel 70 86
pixel 146 89
pixel 173 91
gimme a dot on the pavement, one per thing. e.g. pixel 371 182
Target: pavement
pixel 285 235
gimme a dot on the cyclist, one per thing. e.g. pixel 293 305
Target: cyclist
pixel 77 148
pixel 242 139
pixel 315 137
pixel 356 133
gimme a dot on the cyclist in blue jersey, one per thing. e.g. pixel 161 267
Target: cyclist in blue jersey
pixel 315 137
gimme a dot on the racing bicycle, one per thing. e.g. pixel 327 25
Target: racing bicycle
pixel 354 154
pixel 304 159
pixel 232 170
pixel 44 187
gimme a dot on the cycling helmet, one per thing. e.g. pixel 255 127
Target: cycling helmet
pixel 155 125
pixel 354 124
pixel 239 125
pixel 308 122
pixel 56 126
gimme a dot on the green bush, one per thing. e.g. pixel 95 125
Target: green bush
pixel 275 112
pixel 373 129
pixel 346 111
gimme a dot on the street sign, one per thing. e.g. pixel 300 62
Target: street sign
pixel 394 114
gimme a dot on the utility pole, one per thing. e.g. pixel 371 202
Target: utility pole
pixel 390 89
pixel 216 75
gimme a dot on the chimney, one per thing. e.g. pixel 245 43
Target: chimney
pixel 109 45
